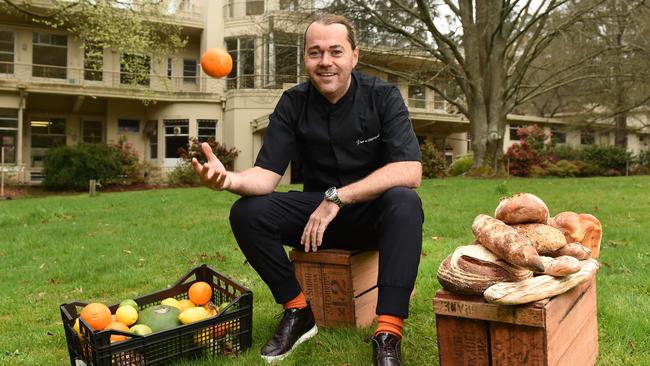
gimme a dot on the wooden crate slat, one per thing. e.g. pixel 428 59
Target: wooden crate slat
pixel 463 342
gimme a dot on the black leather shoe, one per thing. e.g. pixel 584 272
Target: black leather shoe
pixel 386 350
pixel 296 326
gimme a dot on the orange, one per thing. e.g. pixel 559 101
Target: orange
pixel 117 326
pixel 97 315
pixel 216 62
pixel 200 292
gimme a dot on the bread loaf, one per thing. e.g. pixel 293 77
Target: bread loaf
pixel 575 250
pixel 539 287
pixel 522 208
pixel 582 228
pixel 593 233
pixel 561 266
pixel 470 269
pixel 546 239
pixel 506 243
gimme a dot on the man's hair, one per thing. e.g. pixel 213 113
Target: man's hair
pixel 329 19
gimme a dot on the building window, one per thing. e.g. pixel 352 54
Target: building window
pixel 228 9
pixel 92 132
pixel 46 133
pixel 93 62
pixel 6 52
pixel 393 80
pixel 558 136
pixel 284 59
pixel 135 69
pixel 169 68
pixel 207 129
pixel 587 137
pixel 242 51
pixel 8 134
pixel 513 132
pixel 50 55
pixel 189 71
pixel 288 4
pixel 416 96
pixel 176 136
pixel 254 7
pixel 128 126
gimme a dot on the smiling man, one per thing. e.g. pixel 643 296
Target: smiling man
pixel 361 161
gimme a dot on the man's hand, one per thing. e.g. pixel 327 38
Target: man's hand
pixel 212 174
pixel 312 236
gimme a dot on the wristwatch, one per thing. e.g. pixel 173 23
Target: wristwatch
pixel 332 195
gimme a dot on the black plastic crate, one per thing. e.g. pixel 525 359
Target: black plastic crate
pixel 228 333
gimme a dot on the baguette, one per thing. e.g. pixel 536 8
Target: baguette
pixel 539 287
pixel 471 269
pixel 506 243
pixel 522 208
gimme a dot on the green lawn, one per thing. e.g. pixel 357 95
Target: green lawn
pixel 121 245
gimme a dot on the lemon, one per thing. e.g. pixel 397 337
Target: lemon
pixel 192 315
pixel 76 327
pixel 170 301
pixel 127 315
pixel 185 304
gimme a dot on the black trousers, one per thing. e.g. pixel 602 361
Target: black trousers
pixel 392 223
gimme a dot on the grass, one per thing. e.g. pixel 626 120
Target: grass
pixel 114 246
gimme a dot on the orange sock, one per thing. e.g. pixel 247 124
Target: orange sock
pixel 298 302
pixel 390 324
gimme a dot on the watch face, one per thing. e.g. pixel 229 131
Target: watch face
pixel 329 194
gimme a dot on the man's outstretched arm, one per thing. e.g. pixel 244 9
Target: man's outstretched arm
pixel 254 181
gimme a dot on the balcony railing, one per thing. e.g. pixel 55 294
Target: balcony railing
pixel 89 78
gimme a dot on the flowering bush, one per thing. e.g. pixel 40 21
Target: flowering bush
pixel 532 150
pixel 184 172
pixel 434 164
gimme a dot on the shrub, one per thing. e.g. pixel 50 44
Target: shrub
pixel 434 164
pixel 226 155
pixel 564 168
pixel 565 152
pixel 71 167
pixel 538 171
pixel 462 164
pixel 532 150
pixel 643 158
pixel 184 173
pixel 611 160
pixel 132 170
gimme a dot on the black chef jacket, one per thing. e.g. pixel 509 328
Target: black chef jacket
pixel 339 143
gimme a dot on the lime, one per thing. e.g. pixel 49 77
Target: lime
pixel 130 302
pixel 140 329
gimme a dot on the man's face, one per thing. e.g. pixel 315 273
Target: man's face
pixel 329 59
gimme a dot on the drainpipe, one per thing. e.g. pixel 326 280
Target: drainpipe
pixel 19 140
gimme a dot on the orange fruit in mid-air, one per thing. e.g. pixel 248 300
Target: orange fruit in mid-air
pixel 200 292
pixel 216 62
pixel 118 326
pixel 97 315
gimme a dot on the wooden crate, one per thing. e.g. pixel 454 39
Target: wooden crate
pixel 340 285
pixel 562 331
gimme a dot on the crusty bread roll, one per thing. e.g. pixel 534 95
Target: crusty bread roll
pixel 522 208
pixel 563 265
pixel 470 269
pixel 582 228
pixel 575 250
pixel 546 239
pixel 506 243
